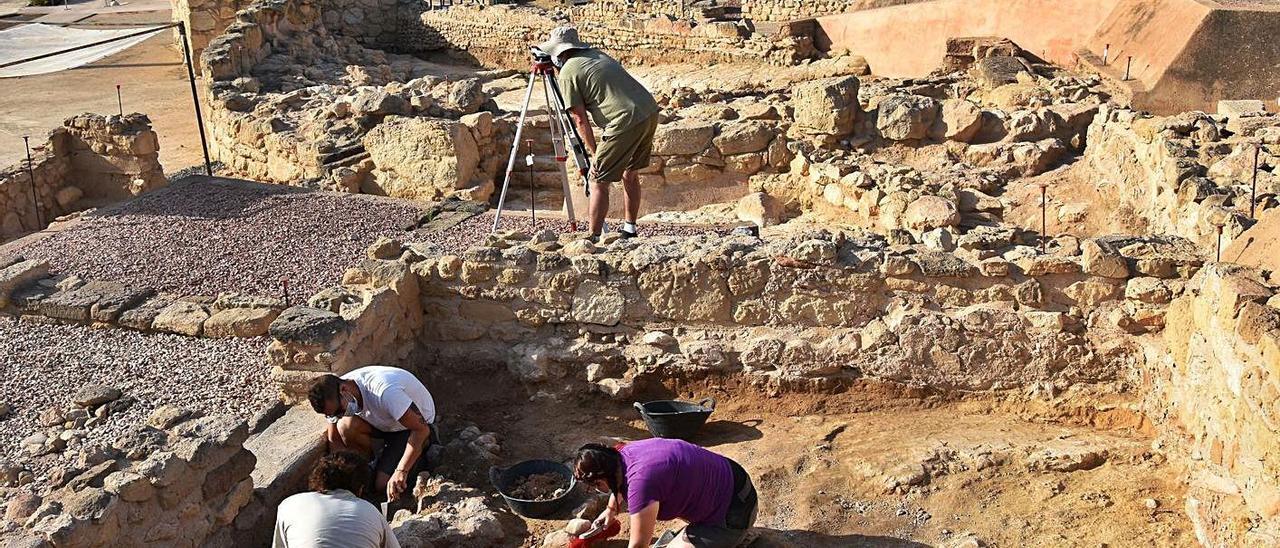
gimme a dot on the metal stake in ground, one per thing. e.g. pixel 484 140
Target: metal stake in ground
pixel 119 100
pixel 31 175
pixel 1217 254
pixel 1044 219
pixel 1253 188
pixel 533 203
pixel 284 282
pixel 1127 66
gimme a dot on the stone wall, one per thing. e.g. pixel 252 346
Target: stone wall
pixel 205 20
pixel 818 308
pixel 69 299
pixel 91 158
pixel 1183 174
pixel 179 480
pixel 1220 389
pixel 500 36
pixel 788 10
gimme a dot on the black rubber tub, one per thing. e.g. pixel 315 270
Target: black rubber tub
pixel 503 480
pixel 675 418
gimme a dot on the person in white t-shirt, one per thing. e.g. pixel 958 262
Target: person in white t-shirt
pixel 333 515
pixel 378 402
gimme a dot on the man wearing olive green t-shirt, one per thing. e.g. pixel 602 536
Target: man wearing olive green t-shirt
pixel 592 82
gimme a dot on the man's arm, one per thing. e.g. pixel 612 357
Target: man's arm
pixel 642 525
pixel 579 115
pixel 334 438
pixel 419 433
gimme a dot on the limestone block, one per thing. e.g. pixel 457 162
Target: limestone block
pixel 960 120
pixel 421 158
pixel 683 137
pixel 240 322
pixel 1090 293
pixel 1148 290
pixel 1240 107
pixel 827 107
pixel 743 137
pixel 906 117
pixel 1102 260
pixel 183 318
pixel 929 212
pixel 594 302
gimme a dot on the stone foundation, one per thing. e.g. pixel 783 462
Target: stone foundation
pixel 1219 389
pixel 91 158
pixel 780 311
pixel 500 36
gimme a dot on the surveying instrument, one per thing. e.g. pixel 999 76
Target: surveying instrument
pixel 564 137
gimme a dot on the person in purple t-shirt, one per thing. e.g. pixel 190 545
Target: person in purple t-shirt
pixel 665 479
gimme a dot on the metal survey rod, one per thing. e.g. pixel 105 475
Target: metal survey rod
pixel 195 97
pixel 31 175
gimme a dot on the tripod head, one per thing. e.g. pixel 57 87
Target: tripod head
pixel 541 61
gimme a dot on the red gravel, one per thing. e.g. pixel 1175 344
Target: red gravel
pixel 203 237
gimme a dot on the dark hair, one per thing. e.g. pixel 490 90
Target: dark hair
pixel 344 470
pixel 599 462
pixel 322 391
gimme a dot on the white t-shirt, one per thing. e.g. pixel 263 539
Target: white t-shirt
pixel 337 519
pixel 387 393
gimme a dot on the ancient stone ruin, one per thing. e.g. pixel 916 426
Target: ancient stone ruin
pixel 1015 299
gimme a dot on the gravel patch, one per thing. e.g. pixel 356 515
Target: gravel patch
pixel 202 237
pixel 44 366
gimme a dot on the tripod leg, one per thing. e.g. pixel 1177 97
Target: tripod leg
pixel 515 150
pixel 557 134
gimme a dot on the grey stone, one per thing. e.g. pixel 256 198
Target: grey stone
pixel 306 325
pixel 94 395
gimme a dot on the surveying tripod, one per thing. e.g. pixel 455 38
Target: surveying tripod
pixel 562 131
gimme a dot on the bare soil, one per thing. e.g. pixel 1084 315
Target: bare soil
pixel 537 487
pixel 884 465
pixel 153 81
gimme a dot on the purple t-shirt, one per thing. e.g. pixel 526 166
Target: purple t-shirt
pixel 687 481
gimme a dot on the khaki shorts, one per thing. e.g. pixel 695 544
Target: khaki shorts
pixel 629 150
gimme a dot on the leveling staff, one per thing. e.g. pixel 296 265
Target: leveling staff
pixel 594 82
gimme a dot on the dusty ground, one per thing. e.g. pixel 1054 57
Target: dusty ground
pixel 1075 205
pixel 153 81
pixel 823 465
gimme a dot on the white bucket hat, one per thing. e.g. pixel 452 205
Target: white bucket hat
pixel 562 39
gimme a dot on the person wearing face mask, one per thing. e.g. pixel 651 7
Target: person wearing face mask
pixel 664 479
pixel 592 82
pixel 378 403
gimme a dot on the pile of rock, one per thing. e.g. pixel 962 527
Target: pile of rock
pixel 449 514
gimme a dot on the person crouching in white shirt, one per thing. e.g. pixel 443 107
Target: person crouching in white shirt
pixel 384 403
pixel 333 515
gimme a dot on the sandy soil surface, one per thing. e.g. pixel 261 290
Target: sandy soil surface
pixel 824 466
pixel 153 81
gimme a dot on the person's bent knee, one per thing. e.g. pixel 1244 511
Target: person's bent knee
pixel 681 541
pixel 356 434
